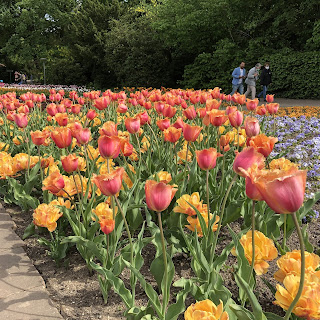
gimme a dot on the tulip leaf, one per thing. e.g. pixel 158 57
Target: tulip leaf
pixel 308 245
pixel 272 316
pixel 117 284
pixel 178 307
pixel 241 312
pixel 29 231
pixel 147 287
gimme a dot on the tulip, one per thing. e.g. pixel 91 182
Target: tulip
pixel 206 310
pixel 82 135
pixel 61 108
pixel 246 159
pixel 224 143
pixel 282 190
pixel 179 124
pixel 144 118
pixel 122 108
pixel 163 124
pixel 76 108
pixel 91 114
pixel 190 113
pixel 38 137
pixel 54 182
pixel 265 251
pixel 109 183
pixel 261 110
pixel 270 98
pixel 109 147
pixel 126 148
pixel 62 119
pixel 159 195
pixel 109 128
pixel 62 137
pixel 102 103
pixel 263 144
pixel 191 133
pixel 231 109
pixel 46 216
pixel 252 104
pixel 132 125
pixel 216 117
pixel 202 112
pixel 70 163
pixel 207 158
pixel 212 104
pixel 21 120
pixel 272 108
pixel 236 118
pixel 251 126
pixel 172 134
pixel 169 111
pixel 185 201
pixel 107 225
pixel 241 99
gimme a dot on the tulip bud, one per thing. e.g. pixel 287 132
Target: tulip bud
pixel 207 158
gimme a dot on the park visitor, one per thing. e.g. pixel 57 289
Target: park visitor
pixel 238 75
pixel 265 80
pixel 251 80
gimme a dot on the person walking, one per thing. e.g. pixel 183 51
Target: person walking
pixel 238 75
pixel 251 80
pixel 265 80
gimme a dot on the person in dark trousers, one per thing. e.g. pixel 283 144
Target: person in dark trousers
pixel 265 80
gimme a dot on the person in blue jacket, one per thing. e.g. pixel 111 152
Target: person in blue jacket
pixel 238 75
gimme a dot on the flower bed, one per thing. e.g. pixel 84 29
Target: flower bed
pixel 134 183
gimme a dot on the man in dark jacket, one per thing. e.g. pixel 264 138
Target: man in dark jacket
pixel 265 80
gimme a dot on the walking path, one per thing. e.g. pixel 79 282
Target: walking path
pixel 295 102
pixel 23 294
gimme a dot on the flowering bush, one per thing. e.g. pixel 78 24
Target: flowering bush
pixel 100 169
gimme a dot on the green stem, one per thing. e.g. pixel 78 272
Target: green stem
pixel 186 164
pixel 208 203
pixel 138 141
pixel 303 268
pixel 28 149
pixel 284 233
pixel 165 263
pixel 131 248
pixel 176 157
pixel 222 213
pixel 253 242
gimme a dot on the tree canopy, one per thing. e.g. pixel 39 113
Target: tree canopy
pixel 190 43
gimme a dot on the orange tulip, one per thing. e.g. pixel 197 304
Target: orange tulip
pixel 263 144
pixel 39 137
pixel 216 117
pixel 70 162
pixel 109 147
pixel 252 104
pixel 46 216
pixel 62 119
pixel 62 137
pixel 172 134
pixel 191 133
pixel 231 109
pixel 282 190
pixel 109 183
pixel 241 99
pixel 91 114
pixel 102 102
pixel 270 98
pixel 185 202
pixel 158 195
pixel 272 107
pixel 212 104
pixel 109 128
pixel 246 159
pixel 207 158
pixel 82 135
pixel 107 225
pixel 179 124
pixel 206 310
pixel 54 182
pixel 169 111
pixel 126 147
pixel 261 110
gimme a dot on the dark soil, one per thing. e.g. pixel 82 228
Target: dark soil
pixel 76 293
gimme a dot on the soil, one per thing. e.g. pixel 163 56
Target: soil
pixel 76 293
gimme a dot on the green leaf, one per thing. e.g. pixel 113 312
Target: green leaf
pixel 150 292
pixel 241 313
pixel 272 316
pixel 29 231
pixel 117 284
pixel 308 245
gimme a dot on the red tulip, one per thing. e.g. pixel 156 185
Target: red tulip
pixel 252 104
pixel 190 113
pixel 107 225
pixel 70 163
pixel 109 128
pixel 21 120
pixel 270 98
pixel 272 108
pixel 38 137
pixel 158 195
pixel 163 124
pixel 179 124
pixel 82 135
pixel 236 118
pixel 126 148
pixel 91 114
pixel 251 126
